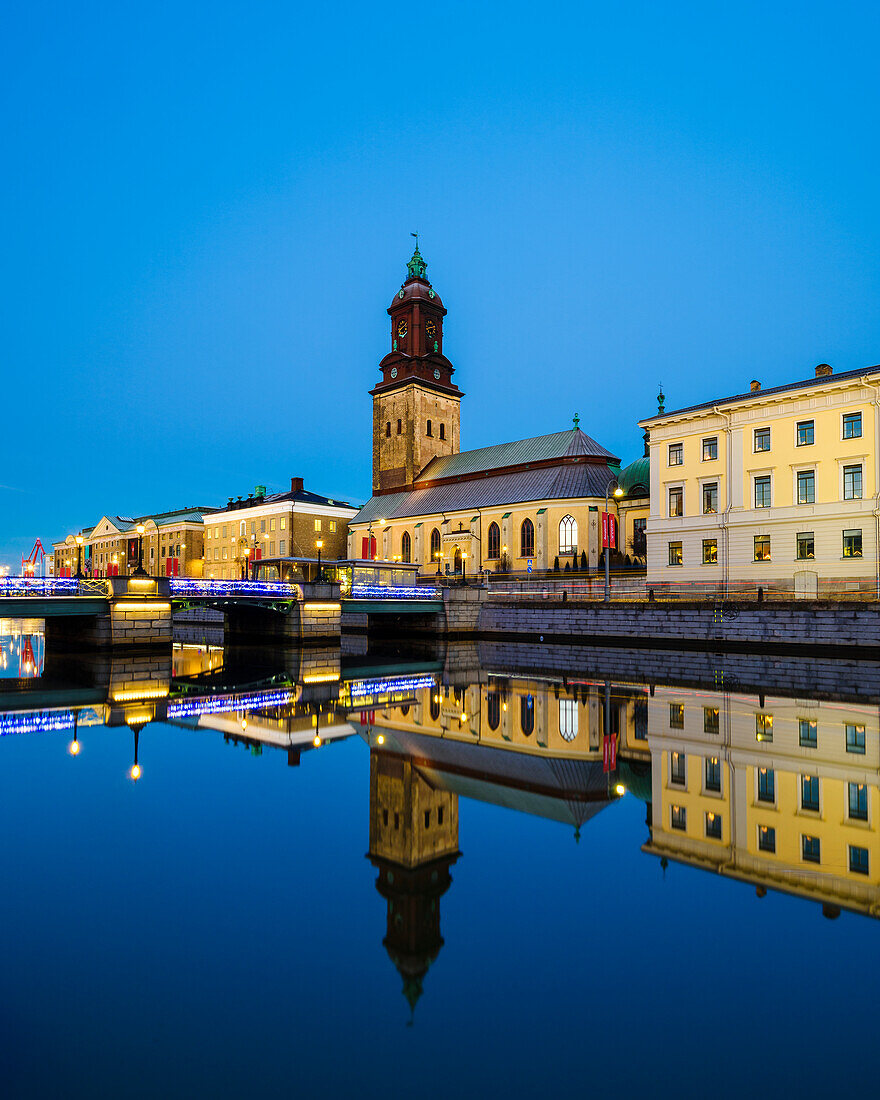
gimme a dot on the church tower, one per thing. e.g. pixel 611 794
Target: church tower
pixel 416 406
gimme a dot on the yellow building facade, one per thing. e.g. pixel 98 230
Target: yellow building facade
pixel 775 488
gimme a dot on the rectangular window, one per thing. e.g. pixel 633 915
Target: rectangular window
pixel 810 793
pixel 442 431
pixel 766 838
pixel 806 487
pixel 676 454
pixel 852 425
pixel 710 551
pixel 272 524
pixel 675 553
pixel 710 498
pixel 713 826
pixel 852 482
pixel 676 502
pixel 679 818
pixel 317 525
pixel 262 527
pixel 852 544
pixel 216 553
pixel 810 849
pixel 710 449
pixel 710 719
pixel 763 727
pixel 678 769
pixel 224 531
pixel 806 546
pixel 805 433
pixel 858 801
pixel 676 716
pixel 855 739
pixel 762 548
pixel 762 491
pixel 283 523
pixel 225 554
pixel 807 733
pixel 271 548
pixel 713 774
pixel 858 860
pixel 332 526
pixel 766 785
pixel 762 439
pixel 282 547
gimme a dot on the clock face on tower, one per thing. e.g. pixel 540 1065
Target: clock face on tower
pixel 394 372
pixel 401 328
pixel 430 330
pixel 437 373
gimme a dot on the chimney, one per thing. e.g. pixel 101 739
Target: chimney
pixel 296 484
pixel 823 370
pixel 756 385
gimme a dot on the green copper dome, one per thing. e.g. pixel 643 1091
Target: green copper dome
pixel 635 479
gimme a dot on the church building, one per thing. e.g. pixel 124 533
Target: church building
pixel 512 507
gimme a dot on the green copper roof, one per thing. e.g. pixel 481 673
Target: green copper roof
pixel 417 266
pixel 635 479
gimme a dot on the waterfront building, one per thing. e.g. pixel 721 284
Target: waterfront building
pixel 775 487
pixel 780 792
pixel 516 506
pixel 173 545
pixel 276 526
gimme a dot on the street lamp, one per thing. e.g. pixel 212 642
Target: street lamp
pixel 320 544
pixel 247 553
pixel 79 550
pixel 438 556
pixel 618 492
pixel 139 572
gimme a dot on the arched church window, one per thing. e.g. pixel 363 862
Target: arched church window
pixel 388 429
pixel 527 714
pixel 435 545
pixel 493 710
pixel 430 428
pixel 527 539
pixel 493 541
pixel 406 547
pixel 568 719
pixel 568 535
pixel 442 431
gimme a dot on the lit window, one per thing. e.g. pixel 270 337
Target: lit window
pixel 852 425
pixel 858 860
pixel 763 727
pixel 710 498
pixel 858 801
pixel 805 433
pixel 272 524
pixel 710 719
pixel 762 491
pixel 678 769
pixel 766 785
pixel 713 826
pixel 710 449
pixel 713 774
pixel 810 849
pixel 762 548
pixel 568 535
pixel 810 793
pixel 805 546
pixel 766 838
pixel 332 526
pixel 283 523
pixel 806 487
pixel 852 544
pixel 317 525
pixel 807 733
pixel 676 502
pixel 568 719
pixel 852 482
pixel 710 551
pixel 676 716
pixel 675 556
pixel 855 739
pixel 405 547
pixel 762 439
pixel 676 454
pixel 679 818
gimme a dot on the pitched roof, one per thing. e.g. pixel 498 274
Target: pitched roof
pixel 540 448
pixel 545 483
pixel 297 496
pixel 753 395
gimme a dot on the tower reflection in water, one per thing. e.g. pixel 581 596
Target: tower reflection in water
pixel 773 785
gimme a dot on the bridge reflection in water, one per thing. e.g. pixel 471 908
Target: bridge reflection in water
pixel 742 770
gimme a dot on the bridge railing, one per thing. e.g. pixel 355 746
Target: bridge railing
pixel 395 592
pixel 212 589
pixel 52 586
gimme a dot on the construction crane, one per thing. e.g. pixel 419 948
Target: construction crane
pixel 36 557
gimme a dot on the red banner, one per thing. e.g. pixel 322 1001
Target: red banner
pixel 609 753
pixel 609 531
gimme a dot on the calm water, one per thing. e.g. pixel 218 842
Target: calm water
pixel 483 880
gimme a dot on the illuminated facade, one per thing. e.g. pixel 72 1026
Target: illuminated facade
pixel 775 487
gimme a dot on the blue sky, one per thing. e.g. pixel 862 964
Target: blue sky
pixel 207 210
